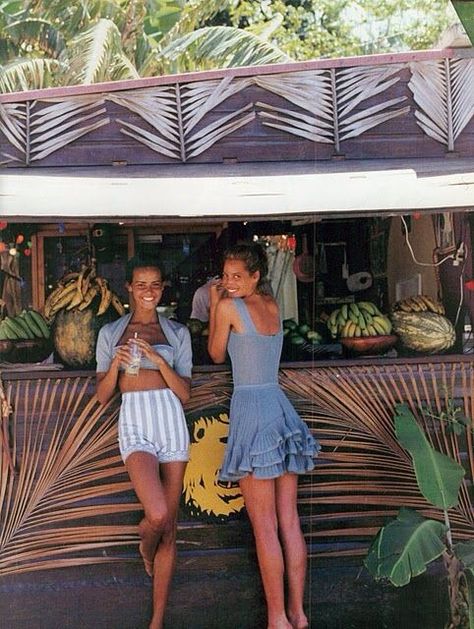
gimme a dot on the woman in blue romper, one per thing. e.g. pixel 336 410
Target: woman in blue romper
pixel 268 443
pixel 153 435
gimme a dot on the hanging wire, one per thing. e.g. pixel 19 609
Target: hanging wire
pixel 460 254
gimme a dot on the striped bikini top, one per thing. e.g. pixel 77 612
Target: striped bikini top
pixel 167 351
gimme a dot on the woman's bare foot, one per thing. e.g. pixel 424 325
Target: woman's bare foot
pixel 147 561
pixel 298 621
pixel 280 623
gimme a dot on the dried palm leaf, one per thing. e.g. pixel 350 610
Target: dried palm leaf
pixel 174 112
pixel 67 478
pixel 12 125
pixel 444 93
pixel 364 475
pixel 37 130
pixel 330 96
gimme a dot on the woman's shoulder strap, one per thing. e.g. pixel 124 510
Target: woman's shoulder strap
pixel 241 306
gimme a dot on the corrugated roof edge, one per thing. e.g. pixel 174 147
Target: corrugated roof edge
pixel 277 68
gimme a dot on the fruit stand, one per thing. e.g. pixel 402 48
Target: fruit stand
pixel 366 325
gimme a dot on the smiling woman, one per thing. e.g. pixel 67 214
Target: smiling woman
pixel 153 435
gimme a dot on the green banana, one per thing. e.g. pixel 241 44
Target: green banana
pixel 332 318
pixel 367 316
pixel 30 322
pixel 341 320
pixel 353 307
pixel 10 329
pixel 21 324
pixel 16 328
pixel 361 321
pixel 3 333
pixel 40 322
pixel 368 306
pixel 344 311
pixel 353 317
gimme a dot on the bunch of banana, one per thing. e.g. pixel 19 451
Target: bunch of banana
pixel 29 324
pixel 78 290
pixel 359 319
pixel 419 303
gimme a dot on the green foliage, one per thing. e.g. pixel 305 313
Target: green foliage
pixel 106 40
pixel 465 11
pixel 322 28
pixel 439 477
pixel 405 547
pixel 162 36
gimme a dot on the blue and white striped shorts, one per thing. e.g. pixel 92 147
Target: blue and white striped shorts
pixel 153 421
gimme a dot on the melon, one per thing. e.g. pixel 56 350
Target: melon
pixel 75 335
pixel 425 332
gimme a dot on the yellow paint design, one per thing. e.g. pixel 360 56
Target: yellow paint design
pixel 202 489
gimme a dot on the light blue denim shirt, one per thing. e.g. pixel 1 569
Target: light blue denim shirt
pixel 176 334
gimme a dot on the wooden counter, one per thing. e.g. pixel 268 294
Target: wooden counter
pixel 66 499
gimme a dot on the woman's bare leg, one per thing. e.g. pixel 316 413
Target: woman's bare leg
pixel 294 547
pixel 165 556
pixel 260 502
pixel 143 469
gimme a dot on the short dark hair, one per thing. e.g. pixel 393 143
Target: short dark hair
pixel 140 262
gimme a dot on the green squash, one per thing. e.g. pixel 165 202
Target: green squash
pixel 425 332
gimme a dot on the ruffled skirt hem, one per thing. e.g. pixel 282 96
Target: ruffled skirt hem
pixel 269 448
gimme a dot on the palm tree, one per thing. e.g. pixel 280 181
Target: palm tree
pixel 58 42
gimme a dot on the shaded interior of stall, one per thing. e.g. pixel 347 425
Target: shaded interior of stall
pixel 316 265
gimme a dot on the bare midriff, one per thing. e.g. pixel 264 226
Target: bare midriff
pixel 146 380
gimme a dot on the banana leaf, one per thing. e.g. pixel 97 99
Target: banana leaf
pixel 403 548
pixel 439 477
pixel 464 551
pixel 470 597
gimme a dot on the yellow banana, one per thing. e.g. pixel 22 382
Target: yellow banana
pixel 117 304
pixel 371 330
pixel 92 291
pixel 382 324
pixel 105 295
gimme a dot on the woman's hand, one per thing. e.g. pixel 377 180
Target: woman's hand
pixel 146 350
pixel 122 355
pixel 216 292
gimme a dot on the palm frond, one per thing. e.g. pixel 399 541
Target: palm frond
pixel 38 34
pixel 330 97
pixel 444 93
pixel 364 475
pixel 67 470
pixel 58 124
pixel 12 125
pixel 173 113
pixel 51 126
pixel 310 92
pixel 92 53
pixel 356 85
pixel 193 15
pixel 217 46
pixel 28 74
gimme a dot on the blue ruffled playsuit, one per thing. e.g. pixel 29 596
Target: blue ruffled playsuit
pixel 267 437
